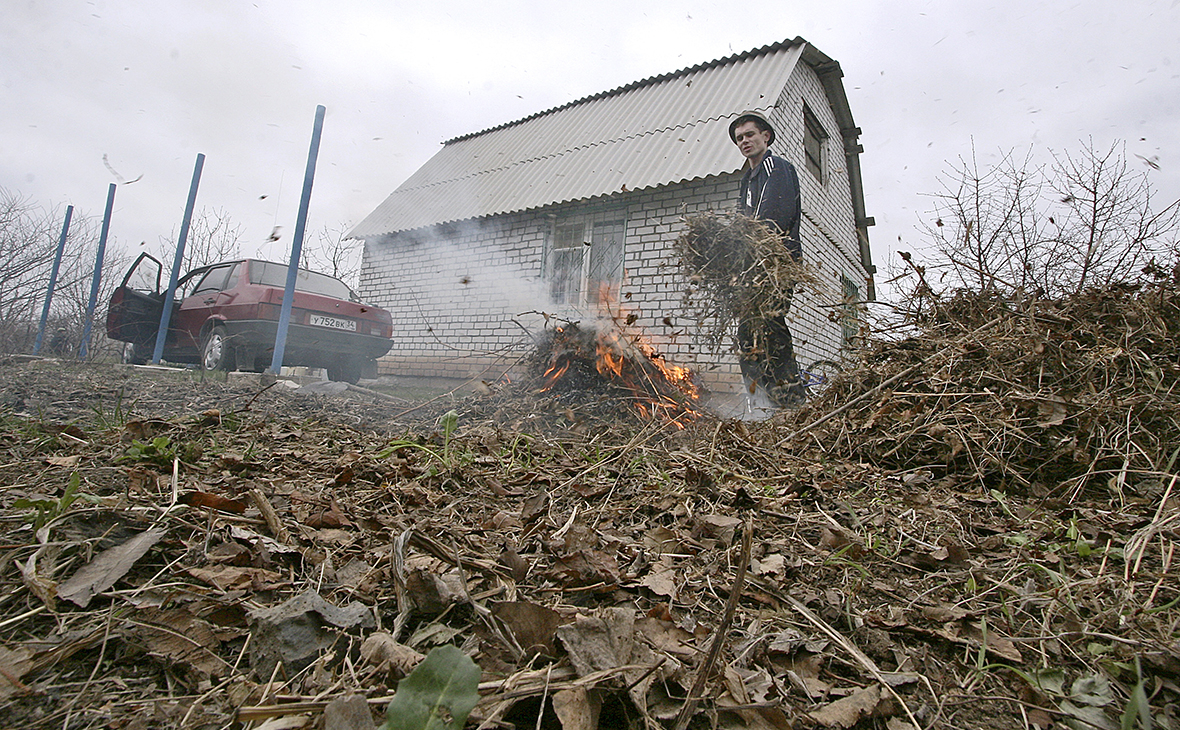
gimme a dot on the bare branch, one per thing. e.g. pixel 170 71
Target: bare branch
pixel 1019 227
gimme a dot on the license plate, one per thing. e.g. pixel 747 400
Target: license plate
pixel 320 320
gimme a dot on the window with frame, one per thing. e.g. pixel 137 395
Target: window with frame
pixel 815 140
pixel 849 311
pixel 584 263
pixel 212 281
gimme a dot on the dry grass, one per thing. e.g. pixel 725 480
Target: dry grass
pixel 740 269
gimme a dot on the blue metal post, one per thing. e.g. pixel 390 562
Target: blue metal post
pixel 102 247
pixel 61 246
pixel 177 261
pixel 276 363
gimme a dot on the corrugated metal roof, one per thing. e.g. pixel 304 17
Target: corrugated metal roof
pixel 653 132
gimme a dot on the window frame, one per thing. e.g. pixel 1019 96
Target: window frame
pixel 815 136
pixel 849 310
pixel 581 229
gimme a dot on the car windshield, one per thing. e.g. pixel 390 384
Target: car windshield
pixel 271 274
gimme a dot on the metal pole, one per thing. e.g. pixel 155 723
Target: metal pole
pixel 177 261
pixel 61 246
pixel 276 363
pixel 102 247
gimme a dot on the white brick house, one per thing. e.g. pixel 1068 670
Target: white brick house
pixel 536 215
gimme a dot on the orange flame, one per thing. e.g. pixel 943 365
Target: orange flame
pixel 553 374
pixel 609 361
pixel 626 357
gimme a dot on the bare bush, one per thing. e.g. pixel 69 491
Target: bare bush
pixel 335 254
pixel 213 236
pixel 29 234
pixel 27 244
pixel 1087 219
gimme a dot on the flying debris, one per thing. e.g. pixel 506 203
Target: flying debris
pixel 120 178
pixel 1153 162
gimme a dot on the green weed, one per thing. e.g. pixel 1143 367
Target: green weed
pixel 47 509
pixel 159 451
pixel 438 695
pixel 114 418
pixel 449 421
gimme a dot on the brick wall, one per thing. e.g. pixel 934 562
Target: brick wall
pixel 456 293
pixel 462 296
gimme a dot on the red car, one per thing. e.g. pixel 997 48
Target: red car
pixel 225 316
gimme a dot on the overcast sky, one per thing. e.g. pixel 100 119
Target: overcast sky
pixel 151 84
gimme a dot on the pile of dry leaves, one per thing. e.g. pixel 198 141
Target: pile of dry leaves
pixel 977 532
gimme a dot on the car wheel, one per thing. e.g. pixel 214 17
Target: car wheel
pixel 345 371
pixel 248 360
pixel 216 354
pixel 134 354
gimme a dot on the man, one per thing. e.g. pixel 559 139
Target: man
pixel 769 192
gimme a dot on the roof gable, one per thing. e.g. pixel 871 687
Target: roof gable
pixel 653 132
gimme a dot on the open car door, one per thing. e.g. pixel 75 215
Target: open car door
pixel 134 312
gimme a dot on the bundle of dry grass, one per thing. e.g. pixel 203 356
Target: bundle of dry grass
pixel 741 265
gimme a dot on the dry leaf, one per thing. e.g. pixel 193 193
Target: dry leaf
pixel 662 583
pixel 846 712
pixel 577 709
pixel 107 568
pixel 532 626
pixel 212 501
pixel 13 665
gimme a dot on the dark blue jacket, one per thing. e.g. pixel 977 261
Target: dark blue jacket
pixel 770 192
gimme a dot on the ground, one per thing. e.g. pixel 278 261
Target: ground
pixel 935 549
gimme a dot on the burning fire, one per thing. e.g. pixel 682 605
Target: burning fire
pixel 615 356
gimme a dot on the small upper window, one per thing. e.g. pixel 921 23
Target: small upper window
pixel 814 144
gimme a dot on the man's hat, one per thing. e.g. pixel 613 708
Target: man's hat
pixel 755 117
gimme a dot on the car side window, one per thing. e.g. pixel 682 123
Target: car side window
pixel 213 281
pixel 234 276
